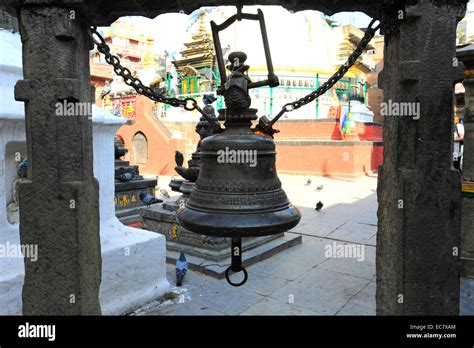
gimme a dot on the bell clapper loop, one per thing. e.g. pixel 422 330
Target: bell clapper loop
pixel 236 284
pixel 236 262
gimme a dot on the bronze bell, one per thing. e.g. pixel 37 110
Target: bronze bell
pixel 238 193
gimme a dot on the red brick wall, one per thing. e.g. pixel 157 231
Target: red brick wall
pixel 369 132
pixel 309 130
pixel 304 147
pixel 319 148
pixel 322 158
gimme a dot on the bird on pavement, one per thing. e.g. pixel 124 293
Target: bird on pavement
pixel 308 183
pixel 181 268
pixel 164 193
pixel 319 188
pixel 179 158
pixel 319 206
pixel 125 177
pixel 148 199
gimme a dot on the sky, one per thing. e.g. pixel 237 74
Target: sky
pixel 169 29
pixel 358 19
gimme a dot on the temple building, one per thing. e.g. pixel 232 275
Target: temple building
pixel 306 47
pixel 197 67
pixel 135 51
pixel 303 58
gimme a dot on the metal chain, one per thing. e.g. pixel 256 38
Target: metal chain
pixel 369 34
pixel 189 104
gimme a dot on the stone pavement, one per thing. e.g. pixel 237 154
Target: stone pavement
pixel 302 280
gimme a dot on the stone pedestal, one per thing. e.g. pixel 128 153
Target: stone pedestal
pixel 206 254
pixel 466 55
pixel 419 195
pixel 176 183
pixel 127 194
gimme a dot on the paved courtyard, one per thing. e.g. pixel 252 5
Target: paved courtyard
pixel 303 280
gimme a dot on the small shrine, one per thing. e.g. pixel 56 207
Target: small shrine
pixel 129 184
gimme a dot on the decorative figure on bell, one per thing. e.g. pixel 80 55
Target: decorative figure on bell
pixel 236 93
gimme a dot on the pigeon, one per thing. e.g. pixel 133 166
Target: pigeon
pixel 179 158
pixel 23 169
pixel 165 193
pixel 308 182
pixel 125 177
pixel 148 199
pixel 181 269
pixel 319 206
pixel 106 90
pixel 319 188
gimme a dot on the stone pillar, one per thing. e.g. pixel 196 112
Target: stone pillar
pixel 418 190
pixel 466 55
pixel 59 206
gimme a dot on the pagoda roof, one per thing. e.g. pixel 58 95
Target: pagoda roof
pixel 197 50
pixel 194 61
pixel 199 42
